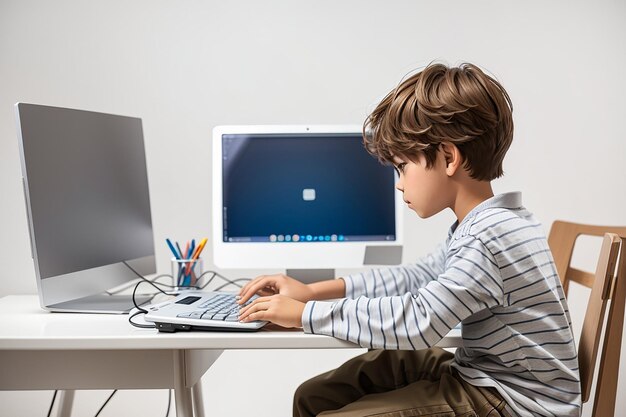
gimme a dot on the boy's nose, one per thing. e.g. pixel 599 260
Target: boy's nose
pixel 399 186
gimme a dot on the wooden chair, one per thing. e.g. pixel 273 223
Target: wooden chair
pixel 608 283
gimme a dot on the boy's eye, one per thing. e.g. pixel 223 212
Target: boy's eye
pixel 400 167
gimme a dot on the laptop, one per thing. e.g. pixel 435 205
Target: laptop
pixel 200 310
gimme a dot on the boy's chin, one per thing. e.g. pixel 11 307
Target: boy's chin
pixel 423 214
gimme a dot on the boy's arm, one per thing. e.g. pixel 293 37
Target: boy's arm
pixel 416 320
pixel 396 280
pixel 266 285
pixel 372 283
pixel 383 281
pixel 324 290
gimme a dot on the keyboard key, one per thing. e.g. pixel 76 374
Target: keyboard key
pixel 221 307
pixel 219 316
pixel 232 317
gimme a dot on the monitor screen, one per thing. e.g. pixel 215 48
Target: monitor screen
pixel 87 197
pixel 304 191
pixel 292 188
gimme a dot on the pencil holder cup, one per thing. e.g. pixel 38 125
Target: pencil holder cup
pixel 186 272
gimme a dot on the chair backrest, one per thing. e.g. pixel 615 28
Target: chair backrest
pixel 562 239
pixel 608 282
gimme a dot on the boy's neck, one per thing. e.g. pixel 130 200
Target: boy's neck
pixel 469 195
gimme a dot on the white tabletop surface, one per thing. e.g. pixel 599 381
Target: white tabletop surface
pixel 26 326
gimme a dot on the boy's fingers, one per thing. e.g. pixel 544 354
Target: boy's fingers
pixel 245 288
pixel 243 309
pixel 259 315
pixel 253 308
pixel 246 292
pixel 254 288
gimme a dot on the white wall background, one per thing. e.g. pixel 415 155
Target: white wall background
pixel 186 66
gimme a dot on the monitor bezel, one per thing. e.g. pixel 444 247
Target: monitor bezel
pixel 302 255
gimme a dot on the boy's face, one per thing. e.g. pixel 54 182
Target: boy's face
pixel 424 190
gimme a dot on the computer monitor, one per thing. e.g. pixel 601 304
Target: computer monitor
pixel 88 205
pixel 307 199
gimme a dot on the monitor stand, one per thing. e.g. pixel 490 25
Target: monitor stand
pixel 100 303
pixel 311 275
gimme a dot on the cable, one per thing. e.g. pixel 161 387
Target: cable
pixel 162 276
pixel 52 403
pixel 105 403
pixel 169 402
pixel 141 326
pixel 144 279
pixel 217 274
pixel 210 279
pixel 154 285
pixel 143 310
pixel 133 282
pixel 233 282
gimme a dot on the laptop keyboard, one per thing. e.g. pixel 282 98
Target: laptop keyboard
pixel 219 307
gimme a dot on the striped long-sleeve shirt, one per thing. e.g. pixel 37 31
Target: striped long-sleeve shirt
pixel 495 275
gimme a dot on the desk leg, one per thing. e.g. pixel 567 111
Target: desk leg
pixel 66 400
pixel 198 405
pixel 182 394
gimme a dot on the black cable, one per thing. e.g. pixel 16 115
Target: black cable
pixel 105 403
pixel 210 279
pixel 143 310
pixel 144 279
pixel 129 284
pixel 233 282
pixel 162 276
pixel 141 326
pixel 217 274
pixel 52 403
pixel 154 285
pixel 169 402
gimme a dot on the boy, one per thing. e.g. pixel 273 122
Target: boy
pixel 446 130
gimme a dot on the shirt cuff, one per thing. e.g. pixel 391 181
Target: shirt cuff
pixel 349 281
pixel 306 317
pixel 316 316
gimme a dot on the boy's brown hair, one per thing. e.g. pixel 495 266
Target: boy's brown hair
pixel 461 105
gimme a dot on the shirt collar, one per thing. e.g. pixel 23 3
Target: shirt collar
pixel 511 200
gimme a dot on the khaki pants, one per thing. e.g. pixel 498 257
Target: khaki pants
pixel 394 383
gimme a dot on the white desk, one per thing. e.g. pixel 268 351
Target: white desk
pixel 68 351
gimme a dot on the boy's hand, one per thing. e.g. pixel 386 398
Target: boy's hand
pixel 278 309
pixel 267 285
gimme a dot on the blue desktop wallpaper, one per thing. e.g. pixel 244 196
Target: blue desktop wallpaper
pixel 318 185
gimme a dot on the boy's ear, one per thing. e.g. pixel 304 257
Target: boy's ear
pixel 452 157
